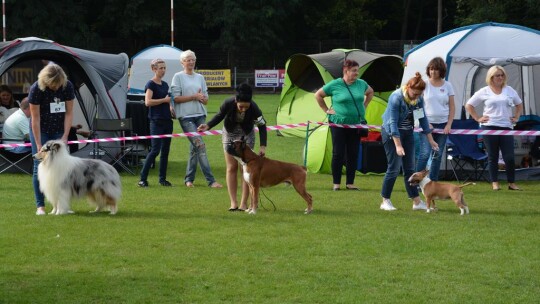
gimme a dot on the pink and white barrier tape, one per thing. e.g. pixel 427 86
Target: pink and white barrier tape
pixel 283 127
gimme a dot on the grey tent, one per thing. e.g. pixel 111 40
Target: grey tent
pixel 100 79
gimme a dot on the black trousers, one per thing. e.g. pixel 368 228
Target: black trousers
pixel 346 144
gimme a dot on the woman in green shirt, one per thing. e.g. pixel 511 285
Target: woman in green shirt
pixel 350 96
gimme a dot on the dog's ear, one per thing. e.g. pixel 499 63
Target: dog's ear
pixel 56 146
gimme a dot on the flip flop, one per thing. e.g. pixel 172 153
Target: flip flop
pixel 234 209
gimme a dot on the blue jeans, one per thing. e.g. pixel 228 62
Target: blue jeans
pixel 197 150
pixel 40 199
pixel 20 150
pixel 493 144
pixel 158 145
pixel 425 152
pixel 396 162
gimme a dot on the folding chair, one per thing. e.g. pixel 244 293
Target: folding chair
pixel 117 151
pixel 467 158
pixel 15 162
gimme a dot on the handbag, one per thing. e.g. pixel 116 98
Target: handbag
pixel 363 132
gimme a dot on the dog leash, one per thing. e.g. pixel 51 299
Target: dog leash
pixel 260 201
pixel 430 159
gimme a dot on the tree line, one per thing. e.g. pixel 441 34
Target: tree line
pixel 266 27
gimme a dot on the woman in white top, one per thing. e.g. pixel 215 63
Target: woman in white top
pixel 440 109
pixel 502 108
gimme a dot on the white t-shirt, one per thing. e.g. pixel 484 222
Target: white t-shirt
pixel 436 101
pixel 497 107
pixel 17 126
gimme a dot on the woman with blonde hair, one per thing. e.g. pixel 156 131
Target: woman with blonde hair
pixel 51 115
pixel 502 108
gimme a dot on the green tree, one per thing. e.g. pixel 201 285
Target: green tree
pixel 260 26
pixel 521 12
pixel 350 19
pixel 64 21
pixel 134 23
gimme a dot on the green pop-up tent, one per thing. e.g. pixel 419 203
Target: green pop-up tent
pixel 305 74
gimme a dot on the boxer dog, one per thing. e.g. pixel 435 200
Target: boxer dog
pixel 260 171
pixel 434 190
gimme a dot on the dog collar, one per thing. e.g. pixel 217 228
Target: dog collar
pixel 424 182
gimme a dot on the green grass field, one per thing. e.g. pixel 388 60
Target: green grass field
pixel 180 245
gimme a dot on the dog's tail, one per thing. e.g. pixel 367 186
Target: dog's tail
pixel 466 184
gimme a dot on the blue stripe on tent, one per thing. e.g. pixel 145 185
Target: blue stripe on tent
pixel 481 25
pixel 473 27
pixel 135 91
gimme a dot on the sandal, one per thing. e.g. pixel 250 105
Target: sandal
pixel 216 185
pixel 189 185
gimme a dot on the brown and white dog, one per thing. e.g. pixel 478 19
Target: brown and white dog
pixel 63 177
pixel 434 190
pixel 260 171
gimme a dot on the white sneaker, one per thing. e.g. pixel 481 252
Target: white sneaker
pixel 41 211
pixel 420 206
pixel 387 205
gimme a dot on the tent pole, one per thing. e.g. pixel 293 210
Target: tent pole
pixel 306 148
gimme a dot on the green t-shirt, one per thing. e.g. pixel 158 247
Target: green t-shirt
pixel 348 111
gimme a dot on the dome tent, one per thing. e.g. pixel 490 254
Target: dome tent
pixel 100 79
pixel 140 72
pixel 305 74
pixel 469 51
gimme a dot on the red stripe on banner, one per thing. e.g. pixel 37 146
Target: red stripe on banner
pixel 287 126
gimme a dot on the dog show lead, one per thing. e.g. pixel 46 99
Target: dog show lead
pixel 240 115
pixel 405 105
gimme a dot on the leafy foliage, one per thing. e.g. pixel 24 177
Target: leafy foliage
pixel 264 27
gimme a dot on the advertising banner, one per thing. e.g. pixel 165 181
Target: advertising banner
pixel 217 78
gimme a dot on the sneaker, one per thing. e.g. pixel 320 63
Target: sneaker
pixel 143 184
pixel 41 211
pixel 165 183
pixel 387 205
pixel 420 206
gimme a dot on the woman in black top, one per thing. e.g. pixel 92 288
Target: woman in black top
pixel 240 115
pixel 159 113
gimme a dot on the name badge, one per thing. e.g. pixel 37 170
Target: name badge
pixel 418 113
pixel 58 107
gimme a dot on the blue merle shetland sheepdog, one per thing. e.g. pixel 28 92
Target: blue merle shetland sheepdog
pixel 62 176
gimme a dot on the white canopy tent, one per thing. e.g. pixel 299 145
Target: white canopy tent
pixel 469 51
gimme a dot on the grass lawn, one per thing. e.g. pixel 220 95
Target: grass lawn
pixel 181 245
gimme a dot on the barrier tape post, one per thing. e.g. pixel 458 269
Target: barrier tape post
pixel 306 145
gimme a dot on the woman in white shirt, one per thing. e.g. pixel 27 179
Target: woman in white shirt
pixel 439 108
pixel 502 108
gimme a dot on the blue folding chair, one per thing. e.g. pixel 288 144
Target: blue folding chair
pixel 466 153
